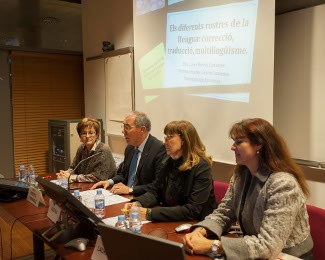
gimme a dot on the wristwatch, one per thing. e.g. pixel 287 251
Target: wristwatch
pixel 215 247
pixel 130 190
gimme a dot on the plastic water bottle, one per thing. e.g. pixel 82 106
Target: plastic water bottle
pixel 76 193
pixel 134 209
pixel 99 204
pixel 22 173
pixel 121 223
pixel 63 182
pixel 135 223
pixel 31 175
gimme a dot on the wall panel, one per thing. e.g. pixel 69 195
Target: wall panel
pixel 44 86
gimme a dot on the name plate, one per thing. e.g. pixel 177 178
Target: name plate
pixel 99 252
pixel 35 196
pixel 54 211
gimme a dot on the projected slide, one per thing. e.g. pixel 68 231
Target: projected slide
pixel 209 46
pixel 145 6
pixel 206 61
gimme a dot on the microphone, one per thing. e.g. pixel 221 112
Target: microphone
pixel 91 156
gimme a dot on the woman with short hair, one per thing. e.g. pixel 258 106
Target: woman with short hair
pixel 94 160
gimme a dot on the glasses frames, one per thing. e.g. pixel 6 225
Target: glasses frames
pixel 170 136
pixel 127 127
pixel 84 134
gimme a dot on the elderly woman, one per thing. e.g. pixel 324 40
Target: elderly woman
pixel 266 195
pixel 184 186
pixel 94 160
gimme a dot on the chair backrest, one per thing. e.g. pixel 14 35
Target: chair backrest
pixel 316 221
pixel 220 189
pixel 317 230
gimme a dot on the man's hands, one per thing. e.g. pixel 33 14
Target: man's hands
pixel 105 184
pixel 120 188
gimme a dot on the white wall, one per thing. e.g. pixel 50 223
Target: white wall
pixel 112 20
pixel 299 82
pixel 299 89
pixel 102 20
pixel 106 20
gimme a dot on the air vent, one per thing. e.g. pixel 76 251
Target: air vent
pixel 50 20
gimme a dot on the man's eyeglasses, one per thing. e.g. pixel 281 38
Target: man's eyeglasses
pixel 127 127
pixel 84 134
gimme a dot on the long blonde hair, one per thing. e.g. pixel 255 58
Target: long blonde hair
pixel 193 148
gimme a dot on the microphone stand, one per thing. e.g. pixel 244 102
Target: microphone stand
pixel 69 182
pixel 91 156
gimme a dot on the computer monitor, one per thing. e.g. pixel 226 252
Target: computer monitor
pixel 79 216
pixel 123 244
pixel 11 190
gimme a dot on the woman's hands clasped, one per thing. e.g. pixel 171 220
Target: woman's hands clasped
pixel 196 243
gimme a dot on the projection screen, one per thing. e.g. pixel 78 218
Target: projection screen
pixel 206 61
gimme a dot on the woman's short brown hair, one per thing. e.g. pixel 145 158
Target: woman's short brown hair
pixel 88 122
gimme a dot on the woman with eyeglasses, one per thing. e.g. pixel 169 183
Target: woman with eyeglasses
pixel 267 196
pixel 184 185
pixel 94 160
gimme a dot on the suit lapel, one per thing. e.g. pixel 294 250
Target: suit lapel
pixel 144 155
pixel 127 162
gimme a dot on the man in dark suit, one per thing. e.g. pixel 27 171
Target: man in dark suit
pixel 142 157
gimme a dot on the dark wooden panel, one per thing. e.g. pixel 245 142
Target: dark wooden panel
pixel 44 86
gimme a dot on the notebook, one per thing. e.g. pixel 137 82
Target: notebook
pixel 122 244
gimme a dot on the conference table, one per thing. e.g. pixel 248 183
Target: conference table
pixel 34 218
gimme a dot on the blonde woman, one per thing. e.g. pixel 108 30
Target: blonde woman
pixel 184 186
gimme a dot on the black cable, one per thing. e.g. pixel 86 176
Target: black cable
pixel 159 232
pixel 12 226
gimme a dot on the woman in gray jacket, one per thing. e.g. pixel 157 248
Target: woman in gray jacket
pixel 267 196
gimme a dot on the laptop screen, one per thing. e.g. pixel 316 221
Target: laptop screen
pixel 123 244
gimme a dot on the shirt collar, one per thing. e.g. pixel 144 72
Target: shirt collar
pixel 263 174
pixel 141 147
pixel 94 146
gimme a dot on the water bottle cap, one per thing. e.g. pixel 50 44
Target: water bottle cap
pixel 99 192
pixel 121 218
pixel 76 192
pixel 135 215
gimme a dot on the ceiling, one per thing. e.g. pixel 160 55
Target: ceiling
pixel 284 6
pixel 56 24
pixel 41 24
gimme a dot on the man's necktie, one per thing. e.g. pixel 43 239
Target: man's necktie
pixel 133 168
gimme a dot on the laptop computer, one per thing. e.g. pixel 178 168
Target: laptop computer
pixel 122 244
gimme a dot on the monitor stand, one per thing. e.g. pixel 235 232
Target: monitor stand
pixel 57 229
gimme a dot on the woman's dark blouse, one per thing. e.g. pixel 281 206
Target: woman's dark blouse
pixel 183 195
